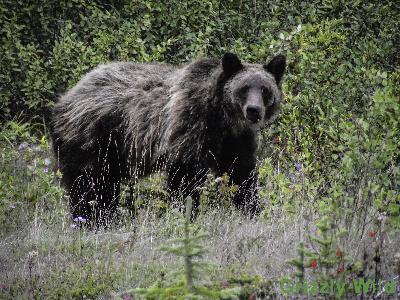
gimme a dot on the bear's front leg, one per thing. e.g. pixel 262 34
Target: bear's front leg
pixel 246 199
pixel 183 181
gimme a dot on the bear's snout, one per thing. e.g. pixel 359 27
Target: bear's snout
pixel 253 113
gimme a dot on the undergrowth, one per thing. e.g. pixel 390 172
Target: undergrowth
pixel 45 255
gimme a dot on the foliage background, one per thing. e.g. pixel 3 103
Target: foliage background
pixel 335 150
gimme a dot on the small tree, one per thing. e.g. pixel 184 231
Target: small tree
pixel 299 263
pixel 188 283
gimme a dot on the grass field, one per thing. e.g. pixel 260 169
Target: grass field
pixel 44 255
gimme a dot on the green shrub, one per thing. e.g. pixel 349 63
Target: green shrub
pixel 26 175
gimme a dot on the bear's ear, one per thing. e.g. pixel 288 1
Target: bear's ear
pixel 231 64
pixel 277 67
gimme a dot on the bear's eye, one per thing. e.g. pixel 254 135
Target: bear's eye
pixel 266 93
pixel 244 89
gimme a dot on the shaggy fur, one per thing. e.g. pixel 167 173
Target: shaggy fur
pixel 125 120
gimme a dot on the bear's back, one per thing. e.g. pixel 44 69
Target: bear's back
pixel 115 78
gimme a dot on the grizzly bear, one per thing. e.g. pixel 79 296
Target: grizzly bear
pixel 124 120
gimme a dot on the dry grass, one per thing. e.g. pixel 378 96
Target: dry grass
pixel 45 258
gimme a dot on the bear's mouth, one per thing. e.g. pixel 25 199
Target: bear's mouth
pixel 253 119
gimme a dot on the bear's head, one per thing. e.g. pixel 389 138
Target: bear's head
pixel 254 89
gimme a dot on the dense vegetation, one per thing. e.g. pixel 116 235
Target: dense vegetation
pixel 329 169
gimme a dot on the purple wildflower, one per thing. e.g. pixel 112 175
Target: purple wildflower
pixel 298 166
pixel 46 170
pixel 80 219
pixel 73 226
pixel 12 206
pixel 127 297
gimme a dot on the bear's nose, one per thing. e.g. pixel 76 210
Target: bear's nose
pixel 253 113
